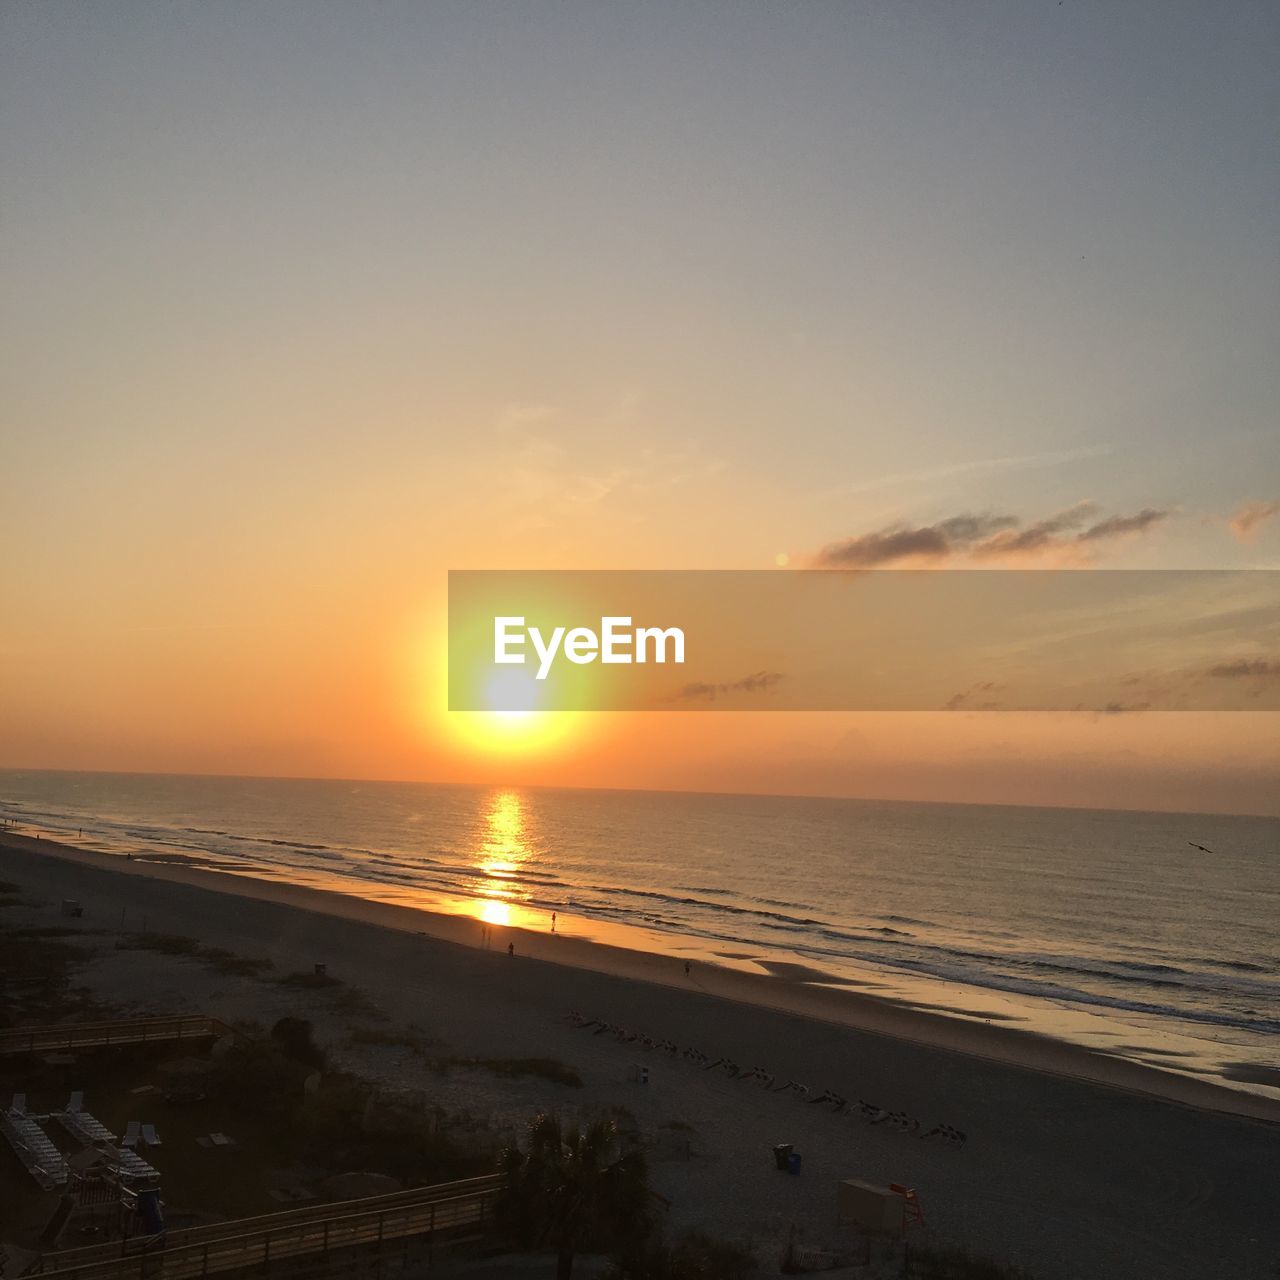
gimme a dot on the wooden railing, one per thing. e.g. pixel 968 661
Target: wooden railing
pixel 451 1211
pixel 86 1035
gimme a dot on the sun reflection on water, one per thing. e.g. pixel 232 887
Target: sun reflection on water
pixel 504 849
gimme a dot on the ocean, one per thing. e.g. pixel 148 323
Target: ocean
pixel 1149 935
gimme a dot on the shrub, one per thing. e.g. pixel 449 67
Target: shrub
pixel 388 1039
pixel 959 1264
pixel 576 1190
pixel 545 1068
pixel 293 1035
pixel 263 1082
pixel 344 1126
pixel 694 1256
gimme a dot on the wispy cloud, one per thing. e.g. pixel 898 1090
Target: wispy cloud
pixel 1251 517
pixel 1246 669
pixel 553 462
pixel 977 697
pixel 1072 534
pixel 973 466
pixel 757 682
pixel 1118 526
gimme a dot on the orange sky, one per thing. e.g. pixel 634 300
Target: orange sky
pixel 303 312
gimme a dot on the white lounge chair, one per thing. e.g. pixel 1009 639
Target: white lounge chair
pixel 149 1135
pixel 133 1131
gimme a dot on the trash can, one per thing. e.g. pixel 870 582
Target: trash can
pixel 793 1162
pixel 781 1153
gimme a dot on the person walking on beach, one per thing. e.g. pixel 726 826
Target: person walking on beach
pixel 553 922
pixel 511 948
pixel 688 968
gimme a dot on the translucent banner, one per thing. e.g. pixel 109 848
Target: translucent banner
pixel 1106 641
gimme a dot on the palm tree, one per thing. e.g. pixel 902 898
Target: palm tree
pixel 576 1189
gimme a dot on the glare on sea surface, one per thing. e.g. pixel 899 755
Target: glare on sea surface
pixel 504 849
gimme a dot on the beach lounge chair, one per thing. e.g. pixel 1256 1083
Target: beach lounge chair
pixel 19 1104
pixel 76 1102
pixel 132 1133
pixel 150 1136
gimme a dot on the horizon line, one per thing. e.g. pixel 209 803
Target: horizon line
pixel 658 791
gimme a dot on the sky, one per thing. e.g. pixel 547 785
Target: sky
pixel 306 304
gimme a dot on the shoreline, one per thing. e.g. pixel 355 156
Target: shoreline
pixel 782 991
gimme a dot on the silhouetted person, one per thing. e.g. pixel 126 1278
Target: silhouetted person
pixel 511 948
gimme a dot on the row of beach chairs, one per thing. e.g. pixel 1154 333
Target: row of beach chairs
pixel 839 1104
pixel 136 1133
pixel 42 1160
pixel 93 1133
pixel 130 1165
pixel 45 1162
pixel 79 1122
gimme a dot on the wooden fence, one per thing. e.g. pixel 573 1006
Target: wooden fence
pixel 448 1213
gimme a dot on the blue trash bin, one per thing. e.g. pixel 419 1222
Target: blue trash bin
pixel 793 1162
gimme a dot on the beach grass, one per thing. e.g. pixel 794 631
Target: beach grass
pixel 356 1002
pixel 239 966
pixel 310 981
pixel 179 945
pixel 549 1069
pixel 380 1037
pixel 38 965
pixel 167 944
pixel 54 931
pixel 958 1264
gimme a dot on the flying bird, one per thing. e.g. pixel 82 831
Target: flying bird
pixel 1201 847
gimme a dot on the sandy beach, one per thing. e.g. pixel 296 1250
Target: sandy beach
pixel 1075 1163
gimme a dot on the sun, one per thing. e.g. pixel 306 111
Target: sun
pixel 518 729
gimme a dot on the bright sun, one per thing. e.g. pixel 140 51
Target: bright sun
pixel 520 729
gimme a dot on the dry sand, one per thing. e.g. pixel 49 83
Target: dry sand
pixel 1077 1164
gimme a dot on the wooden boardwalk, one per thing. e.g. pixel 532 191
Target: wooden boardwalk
pixel 90 1035
pixel 448 1213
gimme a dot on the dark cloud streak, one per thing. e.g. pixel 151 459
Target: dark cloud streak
pixel 1246 669
pixel 757 682
pixel 986 537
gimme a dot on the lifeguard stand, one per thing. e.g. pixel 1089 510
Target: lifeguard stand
pixel 878 1210
pixel 912 1213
